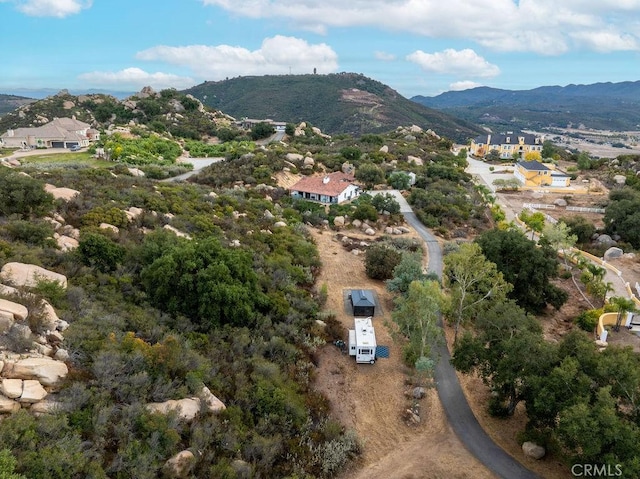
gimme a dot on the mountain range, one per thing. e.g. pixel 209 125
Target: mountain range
pixel 336 103
pixel 11 102
pixel 605 106
pixel 354 104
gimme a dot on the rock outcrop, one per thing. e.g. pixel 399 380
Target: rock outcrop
pixel 187 408
pixel 47 371
pixel 532 450
pixel 21 274
pixel 179 466
pixel 65 194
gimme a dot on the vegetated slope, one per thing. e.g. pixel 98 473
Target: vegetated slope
pixel 164 111
pixel 337 103
pixel 11 102
pixel 613 106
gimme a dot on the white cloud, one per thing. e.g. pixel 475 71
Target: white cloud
pixel 454 62
pixel 277 55
pixel 384 56
pixel 135 78
pixel 548 27
pixel 604 41
pixel 463 85
pixel 51 8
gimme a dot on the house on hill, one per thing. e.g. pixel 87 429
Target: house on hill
pixel 58 133
pixel 335 188
pixel 362 302
pixel 506 144
pixel 534 173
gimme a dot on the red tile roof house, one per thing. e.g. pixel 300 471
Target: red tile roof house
pixel 335 188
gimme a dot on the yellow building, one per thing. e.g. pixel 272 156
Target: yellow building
pixel 534 173
pixel 506 144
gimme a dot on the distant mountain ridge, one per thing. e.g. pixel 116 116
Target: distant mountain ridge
pixel 11 102
pixel 336 103
pixel 608 105
pixel 40 93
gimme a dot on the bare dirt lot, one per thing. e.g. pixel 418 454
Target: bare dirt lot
pixel 371 399
pixel 516 200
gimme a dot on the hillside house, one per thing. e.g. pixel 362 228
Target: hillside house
pixel 335 188
pixel 58 133
pixel 249 123
pixel 507 145
pixel 534 173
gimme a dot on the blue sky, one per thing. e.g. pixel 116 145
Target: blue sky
pixel 418 47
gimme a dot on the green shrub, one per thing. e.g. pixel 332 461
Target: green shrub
pixel 365 211
pixel 106 214
pixel 588 320
pixel 100 252
pixel 380 261
pixel 34 233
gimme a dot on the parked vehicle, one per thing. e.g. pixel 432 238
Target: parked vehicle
pixel 362 341
pixel 75 148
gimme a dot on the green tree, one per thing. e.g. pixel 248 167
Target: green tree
pixel 100 252
pixel 381 260
pixel 399 180
pixel 474 283
pixel 290 129
pixel 584 161
pixel 623 306
pixel 407 271
pixel 365 211
pixel 595 433
pixel 370 175
pixel 351 153
pixel 527 267
pixel 493 156
pixel 533 220
pixel 548 149
pixel 506 351
pixel 386 202
pixel 22 195
pixel 622 216
pixel 262 130
pixel 563 386
pixel 416 316
pixel 579 226
pixel 559 237
pixel 619 368
pixel 210 284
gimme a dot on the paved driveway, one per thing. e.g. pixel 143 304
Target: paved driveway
pixel 481 171
pixel 453 400
pixel 198 164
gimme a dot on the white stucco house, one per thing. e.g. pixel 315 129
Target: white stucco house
pixel 58 133
pixel 336 188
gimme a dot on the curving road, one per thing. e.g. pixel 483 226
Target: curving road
pixel 453 400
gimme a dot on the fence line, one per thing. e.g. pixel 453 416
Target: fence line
pixel 538 206
pixel 583 209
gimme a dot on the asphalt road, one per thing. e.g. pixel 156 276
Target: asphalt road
pixel 452 397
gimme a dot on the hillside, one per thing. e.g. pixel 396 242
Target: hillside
pixel 11 102
pixel 337 103
pixel 167 111
pixel 605 106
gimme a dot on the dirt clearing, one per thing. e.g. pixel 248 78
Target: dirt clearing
pixel 371 399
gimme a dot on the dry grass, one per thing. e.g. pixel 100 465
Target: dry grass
pixel 372 400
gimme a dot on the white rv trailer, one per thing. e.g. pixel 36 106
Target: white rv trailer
pixel 362 341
